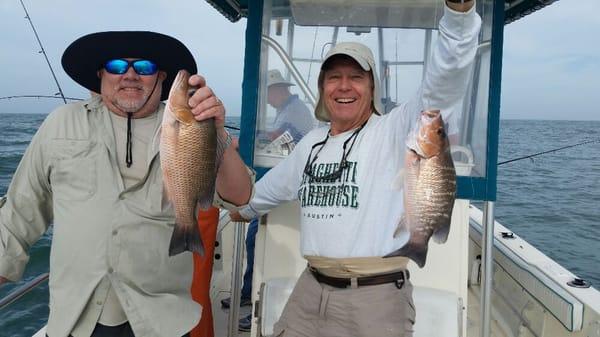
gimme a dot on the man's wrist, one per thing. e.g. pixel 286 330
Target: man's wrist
pixel 223 142
pixel 460 5
pixel 224 139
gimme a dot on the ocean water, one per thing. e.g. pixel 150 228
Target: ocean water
pixel 552 201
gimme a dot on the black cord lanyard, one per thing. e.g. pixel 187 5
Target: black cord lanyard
pixel 128 155
pixel 128 146
pixel 343 162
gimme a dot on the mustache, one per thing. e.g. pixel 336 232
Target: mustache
pixel 129 86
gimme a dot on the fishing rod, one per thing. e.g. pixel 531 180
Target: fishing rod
pixel 549 151
pixel 42 96
pixel 74 99
pixel 43 51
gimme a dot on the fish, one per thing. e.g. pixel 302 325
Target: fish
pixel 188 150
pixel 429 184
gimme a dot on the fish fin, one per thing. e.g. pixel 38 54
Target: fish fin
pixel 402 225
pixel 415 252
pixel 441 235
pixel 398 182
pixel 186 238
pixel 166 191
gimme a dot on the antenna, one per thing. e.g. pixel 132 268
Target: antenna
pixel 43 51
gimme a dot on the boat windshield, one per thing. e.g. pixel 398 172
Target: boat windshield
pixel 401 34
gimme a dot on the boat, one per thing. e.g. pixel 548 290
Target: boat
pixel 497 284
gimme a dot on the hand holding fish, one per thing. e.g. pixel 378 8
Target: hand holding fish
pixel 205 104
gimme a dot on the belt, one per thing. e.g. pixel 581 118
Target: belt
pixel 342 282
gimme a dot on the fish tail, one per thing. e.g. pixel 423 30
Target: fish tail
pixel 441 235
pixel 186 238
pixel 415 252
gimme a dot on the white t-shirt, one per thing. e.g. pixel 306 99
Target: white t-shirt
pixel 357 215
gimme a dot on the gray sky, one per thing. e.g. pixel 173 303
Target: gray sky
pixel 551 65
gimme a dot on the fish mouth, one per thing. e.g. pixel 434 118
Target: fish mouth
pixel 430 116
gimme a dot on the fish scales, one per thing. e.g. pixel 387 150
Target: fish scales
pixel 435 192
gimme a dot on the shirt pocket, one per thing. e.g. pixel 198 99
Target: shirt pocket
pixel 73 176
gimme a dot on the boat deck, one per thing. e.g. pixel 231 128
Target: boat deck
pixel 221 316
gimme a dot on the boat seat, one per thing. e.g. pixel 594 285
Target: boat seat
pixel 437 310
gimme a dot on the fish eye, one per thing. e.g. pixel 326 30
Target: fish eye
pixel 441 132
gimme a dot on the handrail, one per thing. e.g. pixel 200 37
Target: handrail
pixel 224 220
pixel 237 274
pixel 293 70
pixel 22 290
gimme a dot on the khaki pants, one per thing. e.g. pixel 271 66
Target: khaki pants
pixel 319 310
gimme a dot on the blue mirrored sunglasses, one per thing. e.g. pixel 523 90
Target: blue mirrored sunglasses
pixel 141 67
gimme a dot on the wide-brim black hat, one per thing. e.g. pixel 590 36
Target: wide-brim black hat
pixel 86 55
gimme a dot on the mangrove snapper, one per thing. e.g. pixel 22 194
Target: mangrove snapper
pixel 429 183
pixel 188 161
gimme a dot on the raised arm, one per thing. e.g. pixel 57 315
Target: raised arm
pixel 447 75
pixel 448 72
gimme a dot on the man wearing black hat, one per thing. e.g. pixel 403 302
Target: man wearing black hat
pixel 92 169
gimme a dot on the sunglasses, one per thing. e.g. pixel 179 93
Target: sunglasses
pixel 141 67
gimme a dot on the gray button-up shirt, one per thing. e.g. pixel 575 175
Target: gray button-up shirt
pixel 69 176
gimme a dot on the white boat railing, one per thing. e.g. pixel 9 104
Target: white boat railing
pixel 526 281
pixel 487 267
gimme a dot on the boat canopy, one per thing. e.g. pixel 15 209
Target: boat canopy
pixel 513 9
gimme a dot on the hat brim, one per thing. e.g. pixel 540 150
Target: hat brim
pixel 360 59
pixel 86 55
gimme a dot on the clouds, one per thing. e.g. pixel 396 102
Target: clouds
pixel 551 66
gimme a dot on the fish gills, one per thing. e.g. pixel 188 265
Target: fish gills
pixel 429 190
pixel 188 161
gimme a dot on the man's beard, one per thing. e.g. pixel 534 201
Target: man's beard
pixel 130 104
